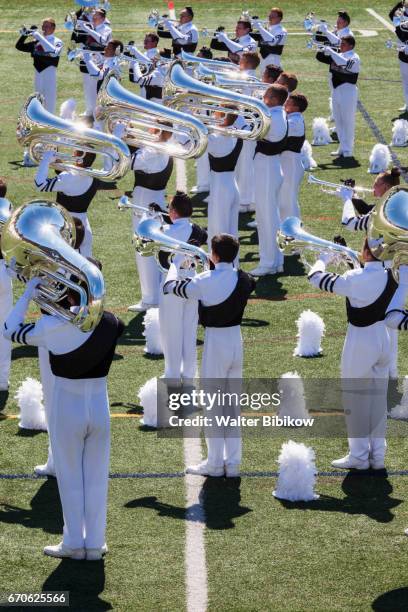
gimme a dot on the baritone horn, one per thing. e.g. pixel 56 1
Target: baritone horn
pixel 115 104
pixel 37 241
pixel 40 130
pixel 191 96
pixel 312 180
pixel 292 239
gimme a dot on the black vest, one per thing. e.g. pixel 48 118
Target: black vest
pixel 403 37
pixel 361 207
pixel 266 49
pixel 190 48
pixel 153 91
pixel 79 203
pixel 94 357
pixel 230 312
pixel 266 147
pixel 368 315
pixel 156 181
pixel 228 162
pixel 340 77
pixel 295 143
pixel 198 237
pixel 41 60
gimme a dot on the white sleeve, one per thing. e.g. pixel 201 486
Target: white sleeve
pixel 140 161
pixel 396 316
pixel 330 282
pixel 190 288
pixel 231 45
pixel 92 68
pixel 266 35
pixel 176 34
pixel 102 39
pixel 57 183
pixel 23 333
pixel 47 45
pixel 333 38
pixel 351 222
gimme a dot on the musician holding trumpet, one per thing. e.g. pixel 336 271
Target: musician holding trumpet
pixel 272 38
pixel 185 34
pixel 243 41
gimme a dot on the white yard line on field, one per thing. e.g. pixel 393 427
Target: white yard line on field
pixel 385 23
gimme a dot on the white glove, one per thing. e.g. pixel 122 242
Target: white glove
pixel 83 25
pixel 345 193
pixel 132 50
pixel 49 156
pixel 166 22
pixel 35 35
pixel 258 23
pixel 86 55
pixel 31 287
pixel 403 275
pixel 221 36
pixel 327 50
pixel 323 27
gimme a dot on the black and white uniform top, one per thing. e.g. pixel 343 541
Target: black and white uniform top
pixel 184 230
pixel 185 36
pixel 100 71
pixel 239 45
pixel 223 152
pixel 344 67
pixel 324 35
pixel 96 40
pixel 222 293
pixel 151 85
pixel 354 222
pixel 368 290
pixel 271 41
pixel 275 141
pixel 296 132
pixel 401 33
pixel 152 173
pixel 45 50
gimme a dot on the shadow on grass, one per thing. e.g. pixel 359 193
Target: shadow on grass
pixel 84 581
pixel 45 512
pixel 133 333
pixel 366 493
pixel 341 162
pixel 254 323
pixel 269 287
pixel 392 601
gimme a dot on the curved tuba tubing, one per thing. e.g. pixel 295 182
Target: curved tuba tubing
pixel 5 212
pixel 217 65
pixel 37 241
pixel 40 130
pixel 117 104
pixel 388 228
pixel 183 92
pixel 293 239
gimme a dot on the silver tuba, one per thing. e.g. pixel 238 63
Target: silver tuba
pixel 5 212
pixel 37 242
pixel 217 65
pixel 184 93
pixel 117 104
pixel 292 239
pixel 40 130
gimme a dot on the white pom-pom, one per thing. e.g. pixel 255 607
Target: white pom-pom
pixel 181 175
pixel 321 132
pixel 292 396
pixel 152 332
pixel 307 156
pixel 400 133
pixel 148 401
pixel 29 397
pixel 400 411
pixel 310 331
pixel 297 473
pixel 380 159
pixel 67 109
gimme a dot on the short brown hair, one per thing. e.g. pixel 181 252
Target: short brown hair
pixel 277 10
pixel 391 177
pixel 3 188
pixel 289 80
pixel 271 73
pixel 49 20
pixel 252 59
pixel 350 40
pixel 116 43
pixel 278 91
pixel 153 36
pixel 225 246
pixel 246 24
pixel 181 203
pixel 300 101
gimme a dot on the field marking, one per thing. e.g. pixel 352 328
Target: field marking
pixel 381 19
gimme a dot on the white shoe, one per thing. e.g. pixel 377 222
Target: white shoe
pixel 350 463
pixel 232 471
pixel 244 208
pixel 262 271
pixel 44 470
pixel 63 552
pixel 27 161
pixel 252 224
pixel 403 109
pixel 203 469
pixel 347 154
pixel 141 307
pixel 337 153
pixel 377 464
pixel 200 189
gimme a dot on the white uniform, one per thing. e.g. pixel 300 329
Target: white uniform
pixel 149 54
pixel 268 181
pixel 244 171
pixel 149 84
pixel 275 36
pixel 98 39
pixel 182 35
pixel 6 304
pixel 243 43
pixel 292 168
pixel 366 356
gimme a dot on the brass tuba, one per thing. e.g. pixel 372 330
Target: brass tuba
pixel 37 241
pixel 185 93
pixel 40 130
pixel 117 104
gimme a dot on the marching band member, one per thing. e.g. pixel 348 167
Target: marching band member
pixel 151 85
pixel 223 154
pixel 75 191
pixel 98 72
pixel 99 33
pixel 6 304
pixel 402 35
pixel 223 294
pixel 366 354
pixel 79 426
pixel 291 158
pixel 288 80
pixel 271 74
pixel 268 180
pixel 202 164
pixel 273 38
pixel 185 36
pixel 178 317
pixel 344 69
pixel 243 42
pixel 342 29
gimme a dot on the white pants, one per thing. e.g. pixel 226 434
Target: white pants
pixel 222 359
pixel 365 367
pixel 86 247
pixel 90 85
pixel 203 172
pixel 271 59
pixel 178 331
pixel 268 181
pixel 223 205
pixel 244 173
pixel 393 333
pixel 45 83
pixel 292 171
pixel 6 304
pixel 149 274
pixel 47 381
pixel 80 434
pixel 344 101
pixel 404 77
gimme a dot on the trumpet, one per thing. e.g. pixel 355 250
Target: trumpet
pixel 40 130
pixel 293 239
pixel 37 240
pixel 312 180
pixel 182 92
pixel 140 211
pixel 25 31
pixel 390 44
pixel 216 65
pixel 154 19
pixel 117 104
pixel 205 33
pixel 316 45
pixel 312 24
pixel 400 19
pixel 77 56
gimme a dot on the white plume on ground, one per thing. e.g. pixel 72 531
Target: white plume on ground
pixel 321 132
pixel 148 400
pixel 181 175
pixel 292 396
pixel 29 397
pixel 400 133
pixel 380 159
pixel 152 332
pixel 67 109
pixel 297 473
pixel 310 331
pixel 307 156
pixel 330 117
pixel 400 411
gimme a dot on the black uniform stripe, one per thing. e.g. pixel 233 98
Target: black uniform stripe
pixel 324 278
pixel 27 329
